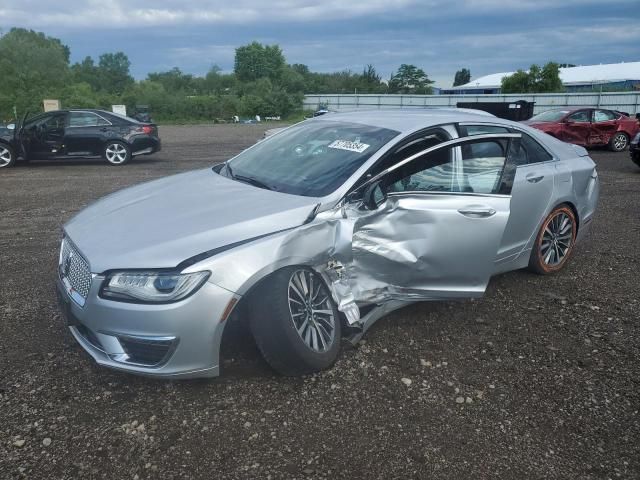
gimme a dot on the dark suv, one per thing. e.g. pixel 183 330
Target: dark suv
pixel 64 134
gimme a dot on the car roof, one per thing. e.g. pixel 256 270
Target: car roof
pixel 68 110
pixel 408 120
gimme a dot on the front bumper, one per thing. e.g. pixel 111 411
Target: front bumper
pixel 178 340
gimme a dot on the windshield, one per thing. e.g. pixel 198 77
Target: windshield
pixel 549 116
pixel 311 159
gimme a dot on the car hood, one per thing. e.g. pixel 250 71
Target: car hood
pixel 160 224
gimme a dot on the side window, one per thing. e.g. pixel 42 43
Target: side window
pixel 102 122
pixel 603 116
pixel 530 151
pixel 54 122
pixel 582 116
pixel 434 172
pixel 484 129
pixel 414 145
pixel 482 165
pixel 83 119
pixel 480 172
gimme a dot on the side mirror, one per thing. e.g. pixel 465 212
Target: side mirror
pixel 11 126
pixel 373 196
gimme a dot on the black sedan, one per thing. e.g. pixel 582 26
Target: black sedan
pixel 64 134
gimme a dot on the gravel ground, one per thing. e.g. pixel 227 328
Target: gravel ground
pixel 539 379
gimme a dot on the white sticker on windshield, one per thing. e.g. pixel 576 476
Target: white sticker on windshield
pixel 349 146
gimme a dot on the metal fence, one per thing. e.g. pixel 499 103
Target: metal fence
pixel 625 101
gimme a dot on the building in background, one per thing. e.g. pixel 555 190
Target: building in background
pixel 589 78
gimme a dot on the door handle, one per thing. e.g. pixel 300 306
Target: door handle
pixel 477 212
pixel 532 179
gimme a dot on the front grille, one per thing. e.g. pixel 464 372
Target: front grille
pixel 146 351
pixel 74 268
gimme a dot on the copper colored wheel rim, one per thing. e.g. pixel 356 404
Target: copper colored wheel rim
pixel 556 239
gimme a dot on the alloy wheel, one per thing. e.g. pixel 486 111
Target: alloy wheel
pixel 5 156
pixel 116 153
pixel 620 141
pixel 557 239
pixel 311 311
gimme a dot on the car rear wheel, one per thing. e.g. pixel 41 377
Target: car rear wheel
pixel 554 242
pixel 7 156
pixel 295 322
pixel 117 153
pixel 619 142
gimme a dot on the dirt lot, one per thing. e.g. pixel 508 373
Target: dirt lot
pixel 548 367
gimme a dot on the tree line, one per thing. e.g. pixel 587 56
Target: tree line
pixel 36 66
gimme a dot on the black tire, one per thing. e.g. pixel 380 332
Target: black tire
pixel 7 156
pixel 546 255
pixel 116 153
pixel 619 142
pixel 274 327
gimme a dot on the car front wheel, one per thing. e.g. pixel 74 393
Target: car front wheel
pixel 619 142
pixel 295 322
pixel 117 153
pixel 7 156
pixel 554 242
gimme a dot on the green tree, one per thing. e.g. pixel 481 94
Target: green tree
pixel 113 70
pixel 536 80
pixel 86 72
pixel 462 77
pixel 370 81
pixel 175 81
pixel 410 79
pixel 256 61
pixel 33 67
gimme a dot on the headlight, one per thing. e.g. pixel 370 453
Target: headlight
pixel 152 287
pixel 636 139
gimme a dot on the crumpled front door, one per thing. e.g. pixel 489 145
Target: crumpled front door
pixel 437 232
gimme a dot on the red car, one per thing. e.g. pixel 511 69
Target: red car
pixel 587 127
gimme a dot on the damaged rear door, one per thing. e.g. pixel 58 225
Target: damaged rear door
pixel 430 226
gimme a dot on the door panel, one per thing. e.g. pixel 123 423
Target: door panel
pixel 604 126
pixel 577 128
pixel 427 246
pixel 437 232
pixel 531 194
pixel 45 137
pixel 85 134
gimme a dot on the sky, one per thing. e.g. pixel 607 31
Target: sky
pixel 439 36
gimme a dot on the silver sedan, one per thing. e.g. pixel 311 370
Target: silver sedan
pixel 315 233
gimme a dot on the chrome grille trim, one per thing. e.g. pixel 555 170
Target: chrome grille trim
pixel 74 272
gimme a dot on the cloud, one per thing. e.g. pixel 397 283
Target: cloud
pixel 487 36
pixel 115 14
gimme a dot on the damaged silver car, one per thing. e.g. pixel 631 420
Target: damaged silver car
pixel 315 233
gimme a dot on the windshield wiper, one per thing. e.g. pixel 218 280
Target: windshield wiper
pixel 229 171
pixel 252 181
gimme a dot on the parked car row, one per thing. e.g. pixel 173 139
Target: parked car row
pixel 64 134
